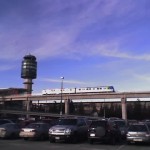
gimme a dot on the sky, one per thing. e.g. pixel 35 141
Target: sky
pixel 88 42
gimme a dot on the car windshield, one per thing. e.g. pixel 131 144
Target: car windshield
pixel 34 125
pixel 6 125
pixel 4 121
pixel 98 124
pixel 148 125
pixel 67 122
pixel 120 123
pixel 138 128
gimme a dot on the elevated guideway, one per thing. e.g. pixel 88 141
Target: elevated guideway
pixel 115 95
pixel 100 97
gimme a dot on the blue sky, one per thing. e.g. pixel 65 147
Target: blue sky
pixel 89 42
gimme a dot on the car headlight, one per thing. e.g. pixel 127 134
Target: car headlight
pixel 68 131
pixel 147 135
pixel 122 132
pixel 50 131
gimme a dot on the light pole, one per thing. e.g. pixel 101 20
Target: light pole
pixel 104 109
pixel 62 78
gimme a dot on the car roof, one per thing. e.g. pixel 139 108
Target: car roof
pixel 5 124
pixel 38 123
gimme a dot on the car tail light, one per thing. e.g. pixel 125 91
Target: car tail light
pixel 91 129
pixel 34 130
pixel 3 130
pixel 108 128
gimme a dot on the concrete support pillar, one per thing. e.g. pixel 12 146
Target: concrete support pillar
pixel 28 86
pixel 67 103
pixel 124 108
pixel 28 106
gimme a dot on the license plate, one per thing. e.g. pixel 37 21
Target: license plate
pixel 92 134
pixel 57 138
pixel 137 140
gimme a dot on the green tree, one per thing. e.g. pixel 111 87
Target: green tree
pixel 137 110
pixel 71 107
pixel 80 109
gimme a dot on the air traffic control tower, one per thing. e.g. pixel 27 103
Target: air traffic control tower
pixel 29 71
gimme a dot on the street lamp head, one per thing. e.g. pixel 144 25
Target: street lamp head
pixel 62 77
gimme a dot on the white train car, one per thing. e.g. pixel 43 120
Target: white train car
pixel 58 91
pixel 99 89
pixel 51 91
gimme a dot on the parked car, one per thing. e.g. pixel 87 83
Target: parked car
pixel 3 121
pixel 130 122
pixel 103 131
pixel 69 129
pixel 113 118
pixel 138 132
pixel 35 131
pixel 51 122
pixel 24 123
pixel 148 124
pixel 123 127
pixel 9 130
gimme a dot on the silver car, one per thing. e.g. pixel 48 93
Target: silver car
pixel 35 131
pixel 138 132
pixel 69 129
pixel 9 130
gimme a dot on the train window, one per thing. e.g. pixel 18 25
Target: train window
pixel 110 87
pixel 79 89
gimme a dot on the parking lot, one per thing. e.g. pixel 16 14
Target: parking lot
pixel 71 134
pixel 20 144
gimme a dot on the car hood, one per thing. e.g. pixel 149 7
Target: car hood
pixel 63 127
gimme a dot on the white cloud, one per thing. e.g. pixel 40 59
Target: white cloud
pixel 143 77
pixel 50 37
pixel 65 81
pixel 6 67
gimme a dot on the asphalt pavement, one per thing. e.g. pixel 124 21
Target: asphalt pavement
pixel 20 144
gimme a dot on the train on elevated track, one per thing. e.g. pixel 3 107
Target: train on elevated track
pixel 99 89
